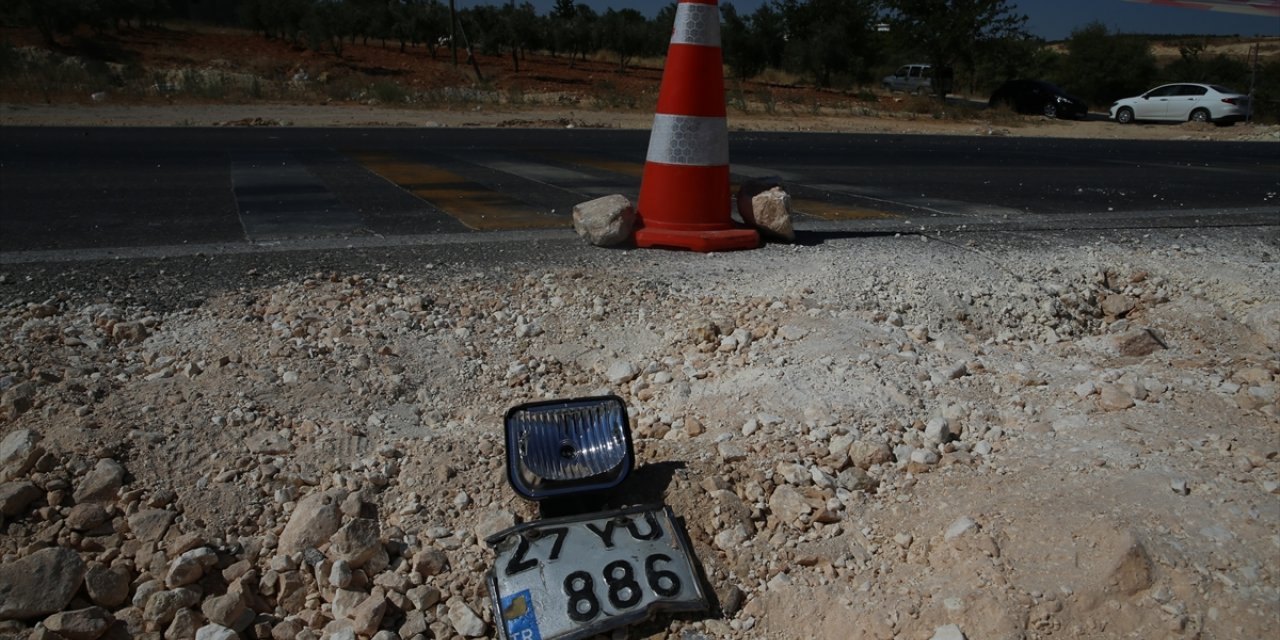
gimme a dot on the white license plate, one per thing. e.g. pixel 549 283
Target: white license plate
pixel 574 577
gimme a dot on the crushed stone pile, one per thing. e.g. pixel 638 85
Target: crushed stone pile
pixel 883 438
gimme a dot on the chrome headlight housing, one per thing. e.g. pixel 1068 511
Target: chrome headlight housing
pixel 563 447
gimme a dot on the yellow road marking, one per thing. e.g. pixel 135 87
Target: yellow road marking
pixel 634 169
pixel 475 205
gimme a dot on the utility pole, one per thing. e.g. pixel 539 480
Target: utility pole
pixel 453 31
pixel 1254 52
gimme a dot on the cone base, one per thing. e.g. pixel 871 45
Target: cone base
pixel 700 241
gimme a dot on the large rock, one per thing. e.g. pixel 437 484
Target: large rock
pixel 606 221
pixel 40 584
pixel 101 483
pixel 313 522
pixel 749 190
pixel 18 399
pixel 15 497
pixel 81 624
pixel 771 214
pixel 18 453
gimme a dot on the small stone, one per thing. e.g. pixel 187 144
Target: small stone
pixel 731 451
pixel 80 624
pixel 101 483
pixel 86 516
pixel 368 615
pixel 770 212
pixel 903 540
pixel 19 451
pixel 948 632
pixel 1085 389
pixel 621 371
pixel 345 602
pixel 190 567
pixel 423 597
pixel 959 527
pixel 163 605
pixel 269 442
pixel 936 431
pixel 150 525
pixel 1117 305
pixel 185 625
pixel 287 629
pixel 1179 486
pixel 15 497
pixel 107 586
pixel 789 505
pixel 731 538
pixel 1138 343
pixel 606 221
pixel 494 522
pixel 216 632
pixel 956 371
pixel 314 520
pixel 924 457
pixel 430 562
pixel 340 575
pixel 465 621
pixel 867 453
pixel 356 542
pixel 227 610
pixel 1113 397
pixel 40 584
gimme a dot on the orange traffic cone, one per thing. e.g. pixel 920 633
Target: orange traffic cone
pixel 684 194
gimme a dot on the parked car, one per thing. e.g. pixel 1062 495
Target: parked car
pixel 1038 96
pixel 1182 102
pixel 911 78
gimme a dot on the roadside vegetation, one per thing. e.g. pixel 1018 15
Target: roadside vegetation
pixel 800 55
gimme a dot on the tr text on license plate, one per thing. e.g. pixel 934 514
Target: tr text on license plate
pixel 574 577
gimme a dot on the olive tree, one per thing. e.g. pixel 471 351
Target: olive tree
pixel 951 32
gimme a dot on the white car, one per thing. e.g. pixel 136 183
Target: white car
pixel 1182 102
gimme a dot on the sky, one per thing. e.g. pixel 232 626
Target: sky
pixel 1049 19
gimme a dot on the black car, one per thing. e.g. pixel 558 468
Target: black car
pixel 1038 96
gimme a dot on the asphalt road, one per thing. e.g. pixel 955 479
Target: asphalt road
pixel 73 189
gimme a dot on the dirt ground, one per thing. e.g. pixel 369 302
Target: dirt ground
pixel 979 436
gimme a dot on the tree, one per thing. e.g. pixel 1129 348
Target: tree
pixel 829 39
pixel 625 32
pixel 52 17
pixel 742 52
pixel 950 32
pixel 582 32
pixel 1102 67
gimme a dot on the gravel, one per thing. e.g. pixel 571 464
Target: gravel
pixel 976 437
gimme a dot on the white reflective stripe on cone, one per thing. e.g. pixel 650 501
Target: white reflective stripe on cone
pixel 697 24
pixel 689 140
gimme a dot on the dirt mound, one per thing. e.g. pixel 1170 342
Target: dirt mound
pixel 1017 441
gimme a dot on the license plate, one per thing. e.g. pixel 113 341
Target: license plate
pixel 575 577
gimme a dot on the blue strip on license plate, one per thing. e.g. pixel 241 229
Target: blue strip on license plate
pixel 574 577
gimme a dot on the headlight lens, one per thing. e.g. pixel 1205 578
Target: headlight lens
pixel 568 446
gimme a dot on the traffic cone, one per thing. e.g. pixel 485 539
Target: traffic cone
pixel 684 194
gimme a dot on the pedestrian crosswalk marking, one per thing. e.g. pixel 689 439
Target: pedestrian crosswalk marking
pixel 475 205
